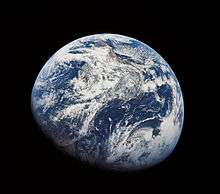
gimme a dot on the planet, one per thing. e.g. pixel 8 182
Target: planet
pixel 109 101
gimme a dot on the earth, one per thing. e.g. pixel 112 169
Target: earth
pixel 109 101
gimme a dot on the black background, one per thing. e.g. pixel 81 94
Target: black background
pixel 186 37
